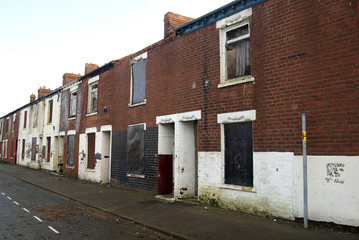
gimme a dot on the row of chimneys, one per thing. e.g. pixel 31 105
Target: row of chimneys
pixel 171 21
pixel 66 78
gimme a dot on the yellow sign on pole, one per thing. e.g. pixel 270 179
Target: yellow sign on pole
pixel 304 136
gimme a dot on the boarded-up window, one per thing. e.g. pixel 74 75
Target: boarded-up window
pixel 238 154
pixel 48 149
pixel 92 104
pixel 51 103
pixel 23 149
pixel 91 150
pixel 135 149
pixel 70 150
pixel 138 81
pixel 73 102
pixel 25 119
pixel 33 149
pixel 238 52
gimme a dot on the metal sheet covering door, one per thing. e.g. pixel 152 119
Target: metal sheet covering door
pixel 91 151
pixel 165 174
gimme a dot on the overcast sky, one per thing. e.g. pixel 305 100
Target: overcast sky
pixel 40 40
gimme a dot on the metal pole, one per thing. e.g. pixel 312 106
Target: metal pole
pixel 305 189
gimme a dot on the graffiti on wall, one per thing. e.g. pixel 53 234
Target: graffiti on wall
pixel 335 173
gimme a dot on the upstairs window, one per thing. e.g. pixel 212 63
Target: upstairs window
pixel 235 49
pixel 138 83
pixel 25 119
pixel 51 103
pixel 73 102
pixel 238 52
pixel 92 95
pixel 0 128
pixel 13 122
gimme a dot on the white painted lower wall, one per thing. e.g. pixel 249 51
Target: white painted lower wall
pixel 333 195
pixel 101 172
pixel 272 192
pixel 84 173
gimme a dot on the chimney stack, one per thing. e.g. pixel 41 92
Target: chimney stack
pixel 69 77
pixel 89 67
pixel 172 21
pixel 32 97
pixel 43 91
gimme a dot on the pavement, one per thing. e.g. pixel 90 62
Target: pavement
pixel 178 220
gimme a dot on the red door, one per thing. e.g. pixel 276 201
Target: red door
pixel 165 174
pixel 91 151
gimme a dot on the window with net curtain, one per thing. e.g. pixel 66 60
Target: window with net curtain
pixel 92 108
pixel 238 52
pixel 73 102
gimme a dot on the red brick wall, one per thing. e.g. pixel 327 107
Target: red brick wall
pixel 305 58
pixel 11 137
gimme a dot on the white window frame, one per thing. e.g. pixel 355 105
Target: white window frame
pixel 225 25
pixel 70 107
pixel 92 81
pixel 143 56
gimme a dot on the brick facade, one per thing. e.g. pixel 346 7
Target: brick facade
pixel 304 59
pixel 119 159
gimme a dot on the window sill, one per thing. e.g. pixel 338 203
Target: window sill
pixel 135 175
pixel 89 170
pixel 238 188
pixel 71 167
pixel 91 114
pixel 137 104
pixel 236 81
pixel 71 118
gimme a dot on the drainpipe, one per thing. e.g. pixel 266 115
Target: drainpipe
pixel 305 190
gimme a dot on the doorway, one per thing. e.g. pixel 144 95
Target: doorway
pixel 165 159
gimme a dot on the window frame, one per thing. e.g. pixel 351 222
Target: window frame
pixel 73 93
pixel 68 148
pixel 142 57
pixel 136 173
pixel 13 122
pixel 226 25
pixel 50 109
pixel 92 81
pixel 25 119
pixel 235 117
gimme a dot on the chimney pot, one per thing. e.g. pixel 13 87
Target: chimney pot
pixel 89 67
pixel 69 77
pixel 32 97
pixel 172 21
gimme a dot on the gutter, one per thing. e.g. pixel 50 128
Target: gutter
pixel 216 15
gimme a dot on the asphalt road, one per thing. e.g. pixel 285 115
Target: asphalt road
pixel 28 212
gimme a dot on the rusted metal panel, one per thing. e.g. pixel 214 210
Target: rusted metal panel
pixel 135 149
pixel 238 154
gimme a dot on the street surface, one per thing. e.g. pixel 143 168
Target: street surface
pixel 28 212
